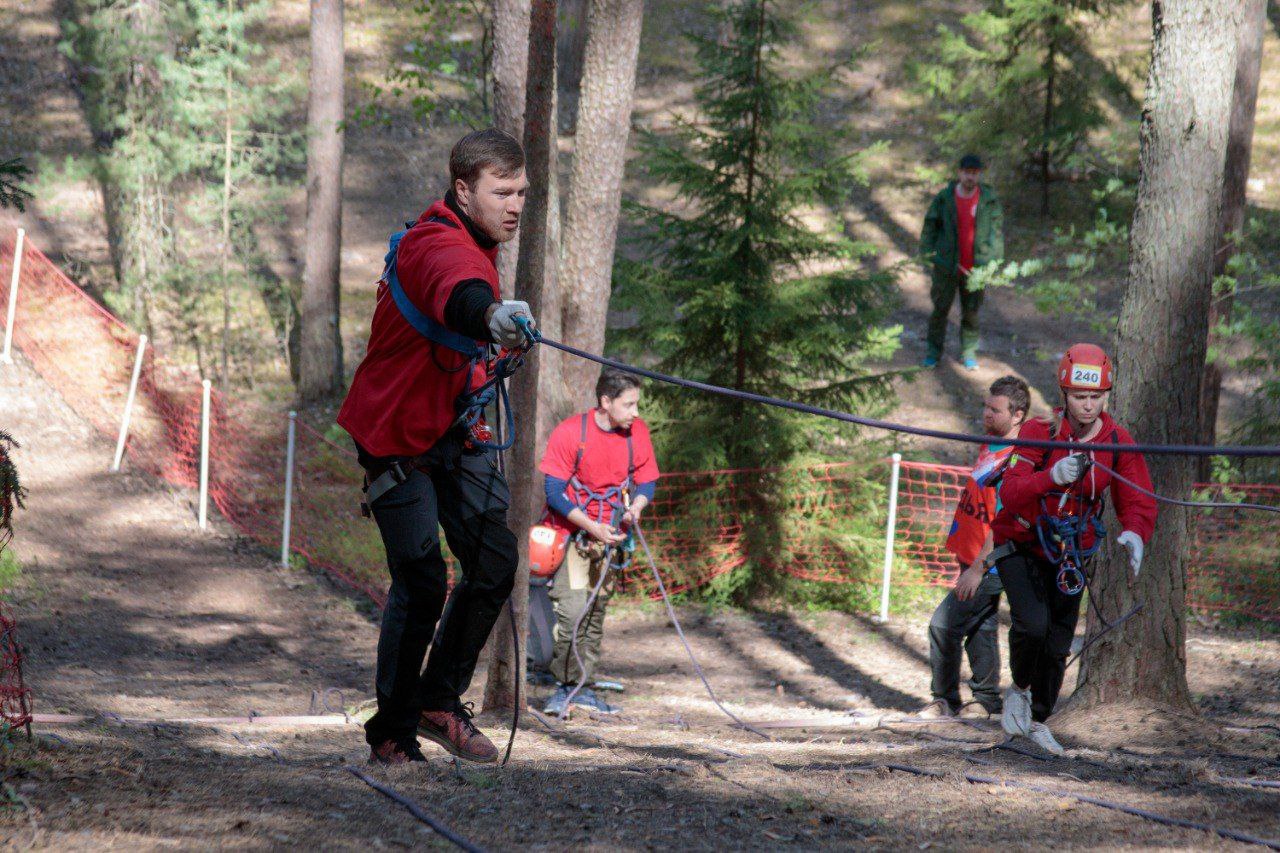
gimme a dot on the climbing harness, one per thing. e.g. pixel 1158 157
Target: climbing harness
pixel 471 404
pixel 548 543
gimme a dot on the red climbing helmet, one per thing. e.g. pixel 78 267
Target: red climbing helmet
pixel 547 547
pixel 1084 367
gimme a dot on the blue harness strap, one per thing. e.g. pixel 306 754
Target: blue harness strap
pixel 421 323
pixel 473 401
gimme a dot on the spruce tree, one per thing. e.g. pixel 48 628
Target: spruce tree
pixel 233 106
pixel 738 289
pixel 1019 81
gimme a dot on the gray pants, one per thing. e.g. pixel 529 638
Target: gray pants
pixel 972 624
pixel 570 590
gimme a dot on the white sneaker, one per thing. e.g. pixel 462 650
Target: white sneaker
pixel 1044 739
pixel 1016 718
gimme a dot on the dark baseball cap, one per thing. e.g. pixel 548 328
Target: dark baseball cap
pixel 971 161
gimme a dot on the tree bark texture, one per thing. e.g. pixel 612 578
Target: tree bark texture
pixel 506 675
pixel 1235 181
pixel 1162 340
pixel 320 368
pixel 510 65
pixel 600 156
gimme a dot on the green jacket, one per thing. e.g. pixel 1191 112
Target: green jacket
pixel 939 239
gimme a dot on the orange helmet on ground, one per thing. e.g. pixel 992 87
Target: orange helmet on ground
pixel 547 547
pixel 1084 367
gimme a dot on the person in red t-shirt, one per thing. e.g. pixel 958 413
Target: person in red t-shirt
pixel 966 618
pixel 423 467
pixel 1048 528
pixel 600 475
pixel 963 230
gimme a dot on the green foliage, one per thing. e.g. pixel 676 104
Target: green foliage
pixel 234 104
pixel 444 69
pixel 194 141
pixel 12 492
pixel 1245 341
pixel 1064 281
pixel 1019 82
pixel 13 173
pixel 735 287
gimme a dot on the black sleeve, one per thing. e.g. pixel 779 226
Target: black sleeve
pixel 464 312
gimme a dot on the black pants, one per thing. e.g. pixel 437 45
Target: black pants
pixel 463 492
pixel 1043 625
pixel 971 624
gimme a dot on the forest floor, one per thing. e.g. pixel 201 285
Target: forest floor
pixel 129 612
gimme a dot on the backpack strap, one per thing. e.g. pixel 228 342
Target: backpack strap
pixel 582 446
pixel 422 324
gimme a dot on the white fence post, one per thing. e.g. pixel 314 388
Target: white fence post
pixel 7 355
pixel 888 537
pixel 128 403
pixel 204 455
pixel 288 489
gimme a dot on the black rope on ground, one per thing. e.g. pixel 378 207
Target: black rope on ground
pixel 874 423
pixel 671 612
pixel 415 810
pixel 1132 810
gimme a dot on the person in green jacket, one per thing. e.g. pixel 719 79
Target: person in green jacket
pixel 963 229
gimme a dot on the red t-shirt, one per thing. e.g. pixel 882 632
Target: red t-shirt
pixel 1027 478
pixel 966 227
pixel 978 503
pixel 402 396
pixel 604 461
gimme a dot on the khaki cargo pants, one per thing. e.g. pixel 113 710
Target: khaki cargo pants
pixel 570 590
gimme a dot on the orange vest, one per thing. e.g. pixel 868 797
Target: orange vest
pixel 978 503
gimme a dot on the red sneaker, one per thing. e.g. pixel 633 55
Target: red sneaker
pixel 454 731
pixel 401 750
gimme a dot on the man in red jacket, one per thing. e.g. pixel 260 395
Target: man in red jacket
pixel 424 466
pixel 1049 527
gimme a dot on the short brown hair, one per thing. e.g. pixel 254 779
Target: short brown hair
pixel 1016 390
pixel 613 382
pixel 485 149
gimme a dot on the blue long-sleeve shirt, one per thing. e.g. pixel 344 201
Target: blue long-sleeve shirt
pixel 559 501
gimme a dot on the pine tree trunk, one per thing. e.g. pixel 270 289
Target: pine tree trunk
pixel 600 156
pixel 510 64
pixel 1244 104
pixel 320 356
pixel 136 194
pixel 506 675
pixel 1162 339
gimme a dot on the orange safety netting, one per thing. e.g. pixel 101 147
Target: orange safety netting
pixel 15 697
pixel 698 528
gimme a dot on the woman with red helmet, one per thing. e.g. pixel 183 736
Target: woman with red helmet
pixel 1050 526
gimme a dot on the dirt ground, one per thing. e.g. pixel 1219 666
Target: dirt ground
pixel 127 610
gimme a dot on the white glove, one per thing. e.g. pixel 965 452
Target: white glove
pixel 1068 469
pixel 1133 543
pixel 502 324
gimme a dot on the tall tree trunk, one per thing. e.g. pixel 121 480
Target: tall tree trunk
pixel 506 674
pixel 600 156
pixel 510 65
pixel 1162 339
pixel 136 192
pixel 226 212
pixel 1235 181
pixel 320 368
